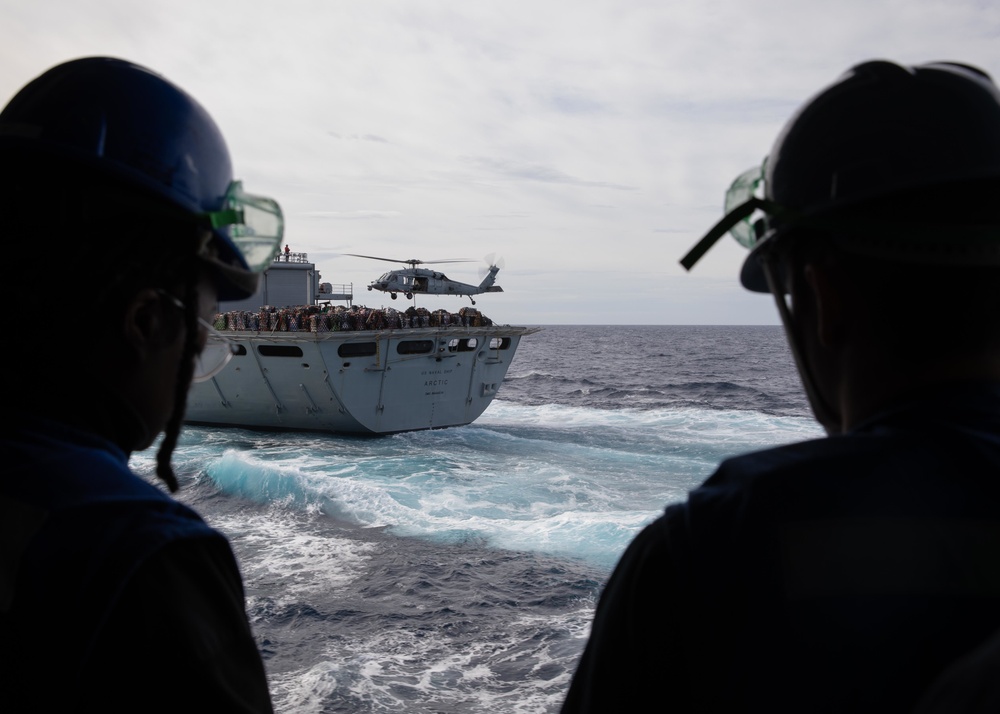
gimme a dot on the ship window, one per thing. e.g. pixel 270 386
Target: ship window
pixel 357 349
pixel 279 351
pixel 415 347
pixel 464 345
pixel 500 343
pixel 240 350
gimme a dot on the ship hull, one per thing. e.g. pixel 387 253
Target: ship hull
pixel 357 382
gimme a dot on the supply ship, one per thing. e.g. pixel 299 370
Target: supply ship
pixel 313 365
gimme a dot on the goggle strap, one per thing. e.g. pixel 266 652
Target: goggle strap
pixel 227 217
pixel 739 213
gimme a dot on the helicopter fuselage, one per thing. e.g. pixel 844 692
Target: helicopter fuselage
pixel 423 281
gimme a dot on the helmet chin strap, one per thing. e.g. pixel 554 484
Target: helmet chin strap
pixel 825 414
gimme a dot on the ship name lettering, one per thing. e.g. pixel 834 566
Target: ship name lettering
pixel 435 382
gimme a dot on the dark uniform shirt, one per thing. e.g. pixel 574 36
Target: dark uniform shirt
pixel 113 596
pixel 836 575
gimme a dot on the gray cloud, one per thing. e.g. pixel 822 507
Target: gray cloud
pixel 455 118
pixel 536 172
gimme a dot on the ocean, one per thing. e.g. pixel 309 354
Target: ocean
pixel 457 570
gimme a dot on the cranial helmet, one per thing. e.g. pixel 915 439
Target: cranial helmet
pixel 132 126
pixel 880 131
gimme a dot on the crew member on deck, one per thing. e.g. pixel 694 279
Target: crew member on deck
pixel 843 574
pixel 114 597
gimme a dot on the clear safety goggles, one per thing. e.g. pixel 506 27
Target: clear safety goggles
pixel 255 225
pixel 746 215
pixel 218 349
pixel 750 218
pixel 214 356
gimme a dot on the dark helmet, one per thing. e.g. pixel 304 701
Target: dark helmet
pixel 134 127
pixel 880 131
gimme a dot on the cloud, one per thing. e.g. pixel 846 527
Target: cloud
pixel 592 137
pixel 349 216
pixel 537 172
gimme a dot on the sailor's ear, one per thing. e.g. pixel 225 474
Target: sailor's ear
pixel 822 281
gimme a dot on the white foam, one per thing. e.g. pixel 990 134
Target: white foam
pixel 285 553
pixel 420 668
pixel 562 480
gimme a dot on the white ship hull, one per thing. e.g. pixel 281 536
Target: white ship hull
pixel 369 382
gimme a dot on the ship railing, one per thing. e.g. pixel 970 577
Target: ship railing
pixel 339 319
pixel 328 291
pixel 291 257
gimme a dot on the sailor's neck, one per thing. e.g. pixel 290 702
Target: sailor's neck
pixel 83 407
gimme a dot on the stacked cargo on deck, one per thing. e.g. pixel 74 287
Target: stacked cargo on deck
pixel 314 318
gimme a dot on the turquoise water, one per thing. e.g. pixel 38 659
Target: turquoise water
pixel 457 570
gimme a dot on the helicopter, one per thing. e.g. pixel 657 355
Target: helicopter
pixel 430 282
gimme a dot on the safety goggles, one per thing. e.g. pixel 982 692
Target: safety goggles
pixel 746 218
pixel 751 219
pixel 254 224
pixel 214 356
pixel 218 349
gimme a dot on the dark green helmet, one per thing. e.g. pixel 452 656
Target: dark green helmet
pixel 881 131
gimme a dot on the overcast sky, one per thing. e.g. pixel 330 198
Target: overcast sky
pixel 588 143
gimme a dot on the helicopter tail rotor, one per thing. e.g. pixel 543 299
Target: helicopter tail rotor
pixel 491 262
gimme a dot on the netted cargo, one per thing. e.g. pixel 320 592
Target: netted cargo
pixel 313 318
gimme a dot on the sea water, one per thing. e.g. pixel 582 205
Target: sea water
pixel 457 570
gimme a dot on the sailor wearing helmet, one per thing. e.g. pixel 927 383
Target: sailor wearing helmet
pixel 114 596
pixel 842 574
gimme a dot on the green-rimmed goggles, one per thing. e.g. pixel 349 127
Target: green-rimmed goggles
pixel 746 211
pixel 751 219
pixel 254 224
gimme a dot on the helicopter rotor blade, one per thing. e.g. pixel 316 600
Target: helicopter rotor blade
pixel 412 261
pixel 376 257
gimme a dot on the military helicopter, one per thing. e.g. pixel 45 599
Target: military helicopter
pixel 430 282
